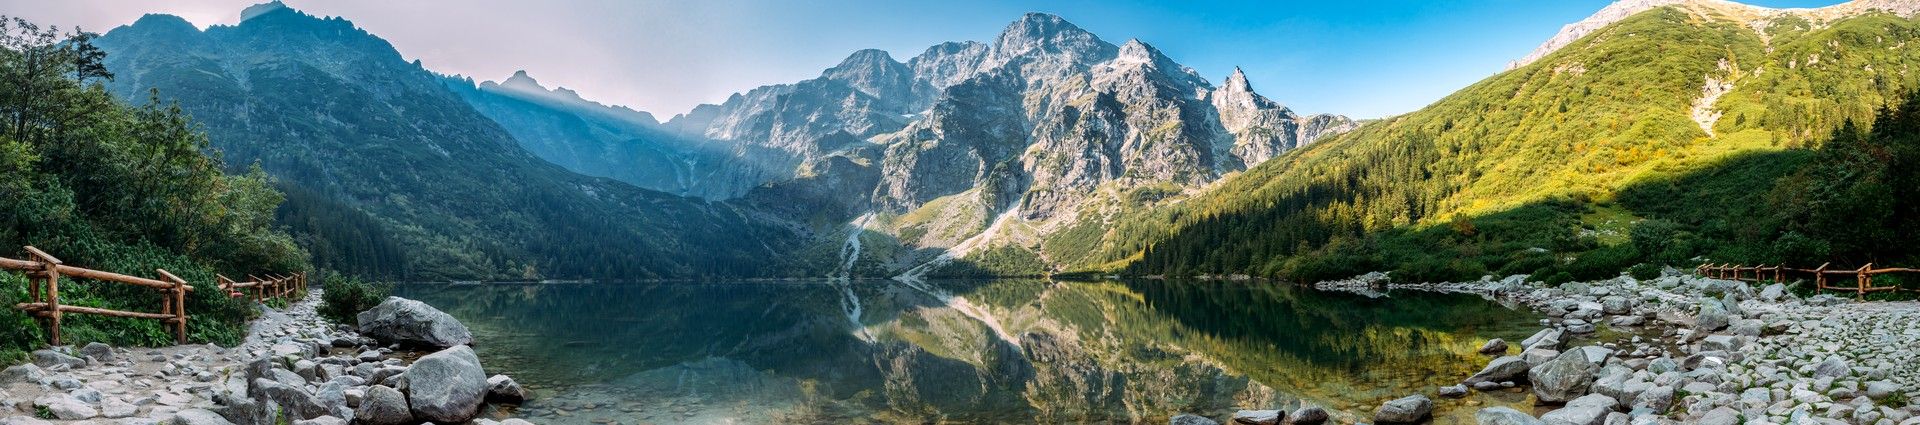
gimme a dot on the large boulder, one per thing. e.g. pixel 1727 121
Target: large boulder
pixel 1546 338
pixel 1713 316
pixel 383 406
pixel 1409 409
pixel 1504 416
pixel 296 401
pixel 404 321
pixel 1591 409
pixel 447 386
pixel 1563 378
pixel 1505 368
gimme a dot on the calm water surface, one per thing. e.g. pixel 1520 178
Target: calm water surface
pixel 1001 351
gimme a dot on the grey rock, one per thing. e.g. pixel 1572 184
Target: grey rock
pixel 1720 416
pixel 383 406
pixel 1656 399
pixel 404 321
pixel 1562 379
pixel 1591 409
pixel 1257 417
pixel 1453 391
pixel 1880 390
pixel 1494 346
pixel 199 417
pixel 98 351
pixel 1615 304
pixel 24 374
pixel 114 408
pixel 1727 343
pixel 51 358
pixel 447 386
pixel 1308 415
pixel 1538 356
pixel 1191 419
pixel 1504 368
pixel 1504 416
pixel 1545 338
pixel 65 406
pixel 23 420
pixel 1773 292
pixel 298 403
pixel 503 389
pixel 323 420
pixel 1407 409
pixel 1832 367
pixel 1713 316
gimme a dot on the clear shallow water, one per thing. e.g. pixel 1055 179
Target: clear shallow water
pixel 998 351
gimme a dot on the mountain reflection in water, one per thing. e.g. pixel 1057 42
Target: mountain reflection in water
pixel 1115 351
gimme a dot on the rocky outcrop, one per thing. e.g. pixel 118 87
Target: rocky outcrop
pixel 403 321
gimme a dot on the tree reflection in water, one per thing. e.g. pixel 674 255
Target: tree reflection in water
pixel 1132 351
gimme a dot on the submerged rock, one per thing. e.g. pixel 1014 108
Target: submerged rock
pixel 1191 419
pixel 1257 417
pixel 1504 416
pixel 1407 409
pixel 1308 415
pixel 404 321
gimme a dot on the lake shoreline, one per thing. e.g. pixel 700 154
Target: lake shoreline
pixel 1718 352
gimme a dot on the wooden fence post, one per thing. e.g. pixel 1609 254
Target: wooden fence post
pixel 179 307
pixel 1820 276
pixel 1864 279
pixel 50 266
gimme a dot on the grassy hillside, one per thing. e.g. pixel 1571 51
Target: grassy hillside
pixel 1525 172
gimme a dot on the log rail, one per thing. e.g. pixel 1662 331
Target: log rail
pixel 1824 276
pixel 44 273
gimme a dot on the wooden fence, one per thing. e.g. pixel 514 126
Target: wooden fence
pixel 43 292
pixel 1823 276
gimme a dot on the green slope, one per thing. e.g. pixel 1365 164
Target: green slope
pixel 1520 172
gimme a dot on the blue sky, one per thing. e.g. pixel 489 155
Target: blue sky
pixel 1361 58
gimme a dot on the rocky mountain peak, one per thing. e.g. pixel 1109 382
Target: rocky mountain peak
pixel 1236 82
pixel 520 80
pixel 261 9
pixel 874 72
pixel 1040 33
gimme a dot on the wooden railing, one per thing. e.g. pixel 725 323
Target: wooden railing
pixel 1862 278
pixel 264 288
pixel 43 293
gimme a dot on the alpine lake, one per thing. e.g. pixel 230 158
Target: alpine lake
pixel 983 351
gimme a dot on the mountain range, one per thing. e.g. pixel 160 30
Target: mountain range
pixel 1046 149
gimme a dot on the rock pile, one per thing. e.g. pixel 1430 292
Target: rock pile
pixel 294 366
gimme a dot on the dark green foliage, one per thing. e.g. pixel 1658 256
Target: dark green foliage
pixel 1602 263
pixel 342 298
pixel 122 189
pixel 1644 271
pixel 1001 261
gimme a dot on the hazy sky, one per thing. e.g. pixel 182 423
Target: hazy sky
pixel 1361 58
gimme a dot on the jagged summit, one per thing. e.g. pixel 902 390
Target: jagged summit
pixel 520 79
pixel 1237 82
pixel 261 9
pixel 1046 33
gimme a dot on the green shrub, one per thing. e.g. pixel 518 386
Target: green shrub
pixel 1645 271
pixel 1557 278
pixel 344 297
pixel 1603 263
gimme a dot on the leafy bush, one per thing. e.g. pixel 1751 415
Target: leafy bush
pixel 1603 263
pixel 342 297
pixel 1557 278
pixel 1645 271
